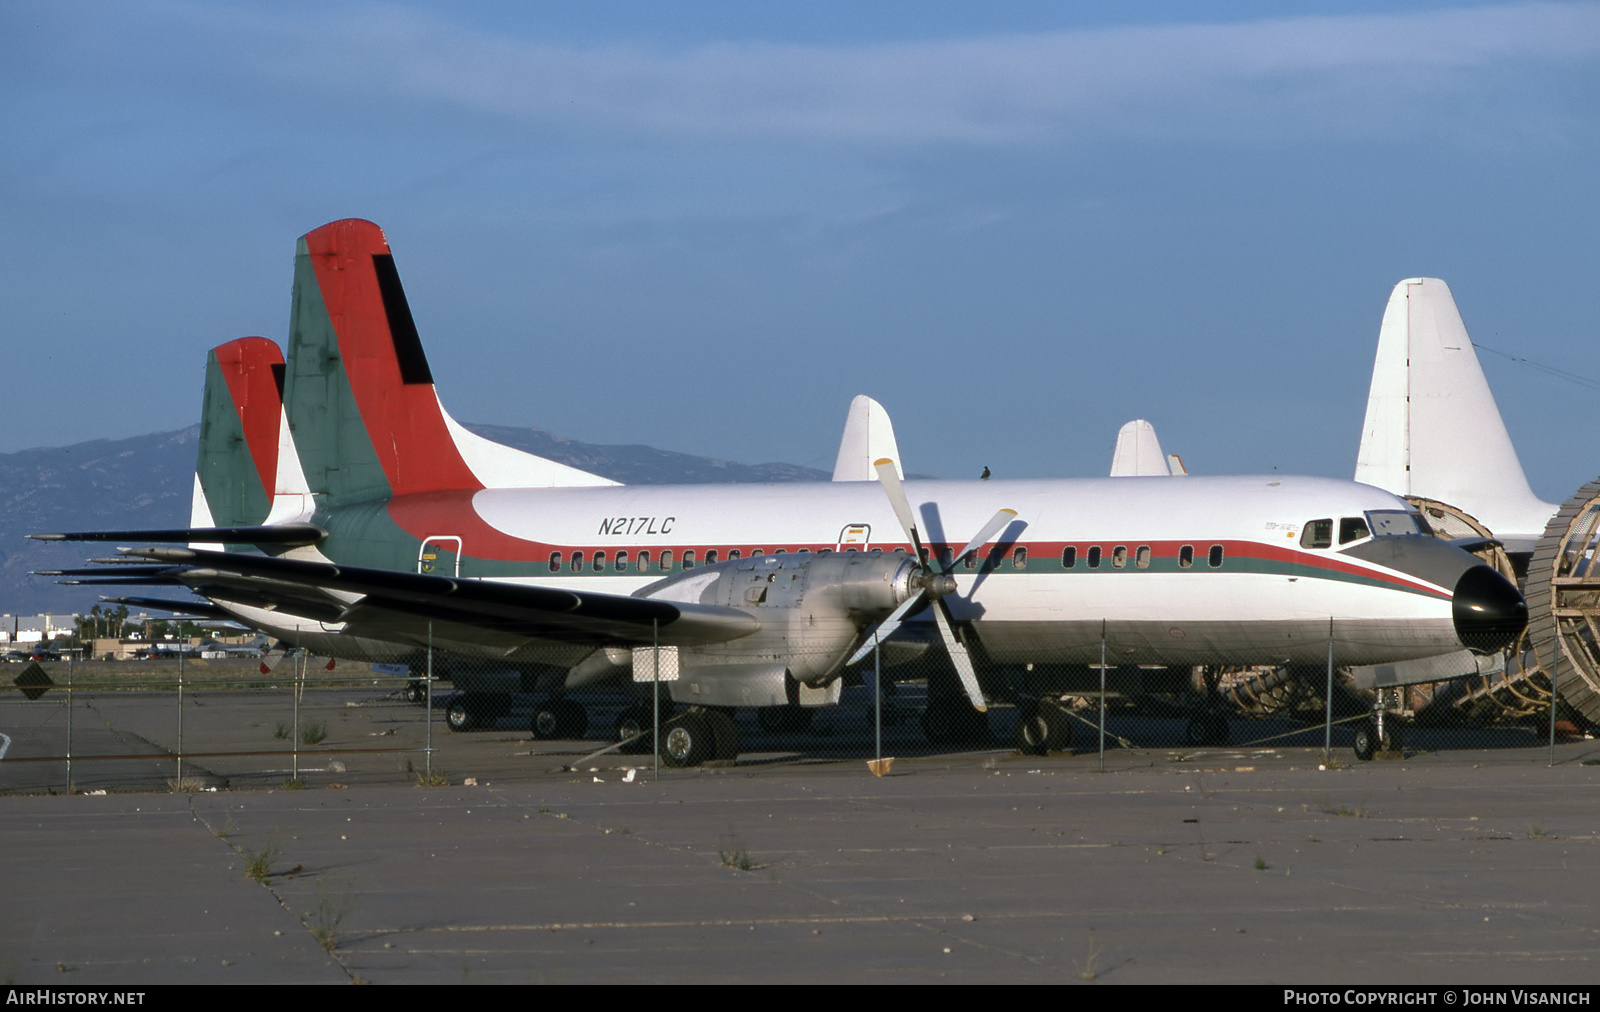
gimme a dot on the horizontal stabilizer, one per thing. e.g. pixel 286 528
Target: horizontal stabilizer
pixel 289 535
pixel 536 612
pixel 197 608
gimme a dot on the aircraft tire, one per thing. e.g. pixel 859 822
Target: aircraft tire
pixel 634 720
pixel 1391 740
pixel 688 741
pixel 725 733
pixel 1042 728
pixel 559 718
pixel 1366 742
pixel 1033 730
pixel 461 713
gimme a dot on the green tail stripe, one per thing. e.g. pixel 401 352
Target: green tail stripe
pixel 228 474
pixel 335 450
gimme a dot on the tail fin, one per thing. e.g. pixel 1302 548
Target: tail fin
pixel 236 473
pixel 1138 453
pixel 868 437
pixel 359 395
pixel 1432 427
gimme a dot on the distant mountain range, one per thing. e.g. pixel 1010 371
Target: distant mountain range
pixel 146 482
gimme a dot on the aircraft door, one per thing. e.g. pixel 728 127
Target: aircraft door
pixel 854 538
pixel 429 562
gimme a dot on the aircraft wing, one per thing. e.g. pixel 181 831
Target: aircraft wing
pixel 382 599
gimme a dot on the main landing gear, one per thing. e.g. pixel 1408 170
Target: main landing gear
pixel 698 735
pixel 469 711
pixel 1042 727
pixel 1377 734
pixel 559 718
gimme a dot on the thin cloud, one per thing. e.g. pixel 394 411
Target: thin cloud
pixel 1359 73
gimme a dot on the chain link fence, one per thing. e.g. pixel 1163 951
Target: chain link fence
pixel 293 719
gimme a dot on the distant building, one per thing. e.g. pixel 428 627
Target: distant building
pixel 17 630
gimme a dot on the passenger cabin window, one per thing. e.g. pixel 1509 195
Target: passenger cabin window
pixel 756 551
pixel 1141 557
pixel 1019 559
pixel 555 562
pixel 734 553
pixel 1094 557
pixel 622 562
pixel 577 562
pixel 1215 557
pixel 1119 556
pixel 599 562
pixel 1186 556
pixel 946 557
pixel 666 561
pixel 1318 534
pixel 644 562
pixel 1352 529
pixel 688 559
pixel 711 556
pixel 1069 557
pixel 970 560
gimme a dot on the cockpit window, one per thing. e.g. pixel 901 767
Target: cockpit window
pixel 1318 534
pixel 1397 524
pixel 1352 529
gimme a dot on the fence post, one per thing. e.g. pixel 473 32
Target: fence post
pixel 69 723
pixel 877 698
pixel 655 685
pixel 298 668
pixel 427 735
pixel 1102 695
pixel 1327 703
pixel 179 785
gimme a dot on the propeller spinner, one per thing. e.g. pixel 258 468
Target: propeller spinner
pixel 931 583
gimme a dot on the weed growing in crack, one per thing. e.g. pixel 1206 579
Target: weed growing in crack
pixel 258 863
pixel 332 905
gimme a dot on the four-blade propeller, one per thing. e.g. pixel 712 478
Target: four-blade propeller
pixel 931 583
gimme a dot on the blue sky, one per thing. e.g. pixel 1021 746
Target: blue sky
pixel 706 226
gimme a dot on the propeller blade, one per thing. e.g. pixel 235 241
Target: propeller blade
pixel 887 627
pixel 896 492
pixel 990 529
pixel 959 656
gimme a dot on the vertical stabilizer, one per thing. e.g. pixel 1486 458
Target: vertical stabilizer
pixel 1432 427
pixel 1138 452
pixel 868 437
pixel 241 412
pixel 359 396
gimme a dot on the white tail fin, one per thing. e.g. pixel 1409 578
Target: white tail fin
pixel 1138 453
pixel 1432 427
pixel 868 437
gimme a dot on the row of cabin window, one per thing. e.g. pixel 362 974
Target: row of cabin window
pixel 1141 557
pixel 620 565
pixel 597 564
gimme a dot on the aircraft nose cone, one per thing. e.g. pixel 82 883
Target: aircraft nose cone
pixel 1489 612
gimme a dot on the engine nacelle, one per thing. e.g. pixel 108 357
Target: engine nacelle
pixel 812 609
